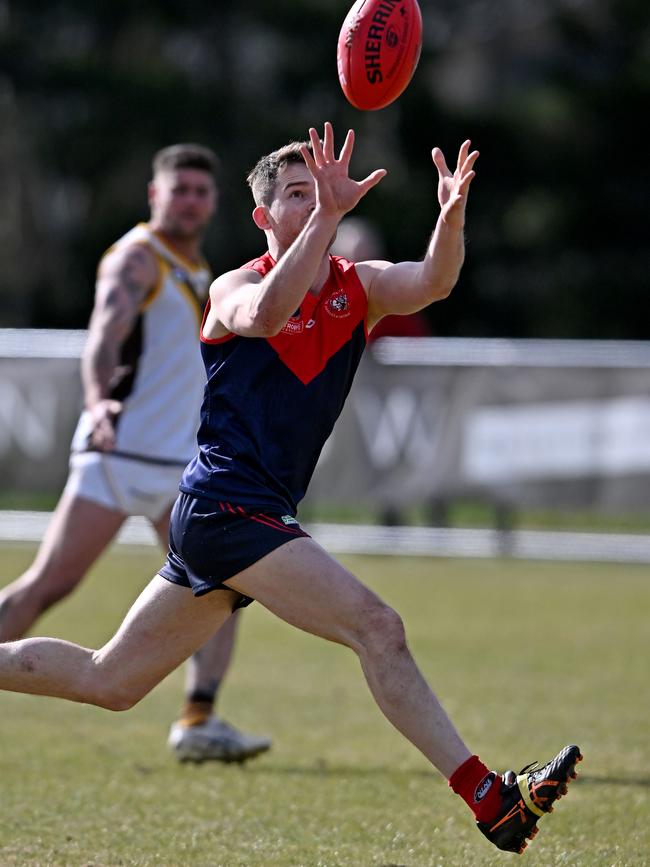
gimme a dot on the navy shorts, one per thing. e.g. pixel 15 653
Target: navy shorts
pixel 210 542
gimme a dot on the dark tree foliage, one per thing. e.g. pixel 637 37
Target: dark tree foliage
pixel 552 92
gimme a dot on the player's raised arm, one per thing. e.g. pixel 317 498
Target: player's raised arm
pixel 406 287
pixel 125 277
pixel 231 297
pixel 299 213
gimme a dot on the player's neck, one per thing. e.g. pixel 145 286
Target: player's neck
pixel 189 248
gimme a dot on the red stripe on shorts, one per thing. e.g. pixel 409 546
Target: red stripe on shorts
pixel 276 526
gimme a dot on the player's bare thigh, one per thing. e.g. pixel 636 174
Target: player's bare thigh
pixel 161 526
pixel 77 534
pixel 303 585
pixel 165 625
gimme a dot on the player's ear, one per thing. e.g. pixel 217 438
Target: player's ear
pixel 151 193
pixel 261 217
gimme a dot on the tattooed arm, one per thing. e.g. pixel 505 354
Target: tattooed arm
pixel 124 280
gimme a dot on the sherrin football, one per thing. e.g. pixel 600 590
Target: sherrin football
pixel 378 51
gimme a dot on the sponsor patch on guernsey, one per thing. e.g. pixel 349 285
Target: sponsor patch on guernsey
pixel 484 787
pixel 288 519
pixel 293 326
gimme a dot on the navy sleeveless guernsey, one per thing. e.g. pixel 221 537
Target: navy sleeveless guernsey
pixel 270 403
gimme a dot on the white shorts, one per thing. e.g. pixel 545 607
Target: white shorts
pixel 124 485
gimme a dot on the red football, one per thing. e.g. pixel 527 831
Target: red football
pixel 378 50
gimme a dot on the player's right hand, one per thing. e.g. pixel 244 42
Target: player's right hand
pixel 103 415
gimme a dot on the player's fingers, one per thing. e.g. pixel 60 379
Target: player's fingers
pixel 328 143
pixel 107 427
pixel 462 153
pixel 469 161
pixel 459 194
pixel 440 162
pixel 316 147
pixel 467 169
pixel 114 406
pixel 346 150
pixel 463 186
pixel 308 158
pixel 108 442
pixel 372 180
pixel 103 436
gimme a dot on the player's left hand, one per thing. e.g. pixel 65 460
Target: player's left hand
pixel 336 192
pixel 453 188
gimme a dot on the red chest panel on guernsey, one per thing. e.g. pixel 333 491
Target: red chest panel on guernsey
pixel 323 324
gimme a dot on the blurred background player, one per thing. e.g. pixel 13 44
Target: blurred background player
pixel 143 381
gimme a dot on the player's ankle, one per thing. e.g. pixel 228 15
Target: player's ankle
pixel 479 787
pixel 195 713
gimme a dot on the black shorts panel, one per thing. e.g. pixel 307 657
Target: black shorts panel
pixel 210 542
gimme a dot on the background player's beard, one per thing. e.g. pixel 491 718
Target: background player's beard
pixel 177 229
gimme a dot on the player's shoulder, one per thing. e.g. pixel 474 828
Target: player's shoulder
pixel 231 281
pixel 364 271
pixel 138 236
pixel 260 264
pixel 130 263
pixel 251 272
pixel 136 255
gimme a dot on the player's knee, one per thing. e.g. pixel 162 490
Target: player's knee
pixel 108 689
pixel 18 605
pixel 121 702
pixel 116 697
pixel 53 592
pixel 384 629
pixel 40 589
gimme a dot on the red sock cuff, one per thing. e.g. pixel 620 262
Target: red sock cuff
pixel 479 787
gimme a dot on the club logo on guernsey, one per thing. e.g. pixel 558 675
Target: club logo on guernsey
pixel 288 519
pixel 338 305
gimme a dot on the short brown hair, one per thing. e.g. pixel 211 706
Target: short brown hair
pixel 263 177
pixel 186 156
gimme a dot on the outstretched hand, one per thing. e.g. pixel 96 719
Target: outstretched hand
pixel 336 192
pixel 453 188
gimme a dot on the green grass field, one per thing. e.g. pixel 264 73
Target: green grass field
pixel 525 656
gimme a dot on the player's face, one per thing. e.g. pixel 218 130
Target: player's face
pixel 182 201
pixel 293 201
